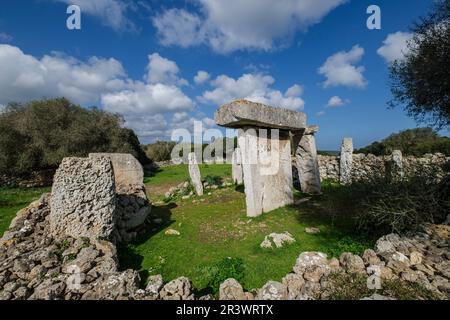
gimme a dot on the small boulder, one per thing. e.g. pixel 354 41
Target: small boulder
pixel 172 232
pixel 177 289
pixel 154 285
pixel 231 289
pixel 312 230
pixel 352 263
pixel 273 290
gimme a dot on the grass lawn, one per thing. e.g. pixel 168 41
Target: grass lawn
pixel 14 199
pixel 214 227
pixel 159 183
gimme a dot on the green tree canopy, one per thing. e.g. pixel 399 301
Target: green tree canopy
pixel 421 82
pixel 39 134
pixel 415 142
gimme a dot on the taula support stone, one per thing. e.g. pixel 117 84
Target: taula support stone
pixel 194 174
pixel 306 161
pixel 127 169
pixel 346 162
pixel 243 113
pixel 267 170
pixel 236 166
pixel 83 200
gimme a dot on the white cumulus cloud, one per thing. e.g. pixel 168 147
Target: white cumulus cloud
pixel 162 70
pixel 146 98
pixel 235 24
pixel 336 101
pixel 253 87
pixel 26 77
pixel 340 69
pixel 395 46
pixel 201 77
pixel 143 104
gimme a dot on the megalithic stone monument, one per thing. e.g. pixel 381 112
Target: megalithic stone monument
pixel 194 173
pixel 306 161
pixel 236 166
pixel 346 161
pixel 265 153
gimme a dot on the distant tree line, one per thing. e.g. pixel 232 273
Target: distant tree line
pixel 415 142
pixel 38 135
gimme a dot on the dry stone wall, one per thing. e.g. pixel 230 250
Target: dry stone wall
pixel 365 164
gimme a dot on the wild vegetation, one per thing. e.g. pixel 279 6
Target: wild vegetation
pixel 39 134
pixel 412 142
pixel 420 83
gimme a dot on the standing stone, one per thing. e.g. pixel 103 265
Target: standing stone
pixel 83 200
pixel 307 163
pixel 275 168
pixel 267 170
pixel 236 166
pixel 194 173
pixel 248 143
pixel 395 167
pixel 346 161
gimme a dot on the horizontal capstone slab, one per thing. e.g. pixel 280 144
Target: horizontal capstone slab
pixel 242 113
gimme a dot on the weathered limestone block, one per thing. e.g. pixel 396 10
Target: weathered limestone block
pixel 346 161
pixel 83 200
pixel 267 170
pixel 275 168
pixel 127 169
pixel 236 166
pixel 194 173
pixel 243 113
pixel 307 163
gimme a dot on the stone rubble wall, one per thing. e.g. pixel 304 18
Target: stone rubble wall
pixel 364 164
pixel 36 266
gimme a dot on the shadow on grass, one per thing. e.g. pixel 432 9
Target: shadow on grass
pixel 129 258
pixel 336 210
pixel 240 188
pixel 151 173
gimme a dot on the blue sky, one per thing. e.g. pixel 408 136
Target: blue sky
pixel 141 58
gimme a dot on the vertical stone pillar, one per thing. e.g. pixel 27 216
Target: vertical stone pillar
pixel 306 161
pixel 194 173
pixel 267 170
pixel 236 166
pixel 346 162
pixel 248 143
pixel 395 168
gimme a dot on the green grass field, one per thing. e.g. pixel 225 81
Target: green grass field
pixel 214 227
pixel 14 199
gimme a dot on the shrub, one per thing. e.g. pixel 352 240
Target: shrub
pixel 213 275
pixel 160 150
pixel 414 142
pixel 213 180
pixel 401 205
pixel 39 134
